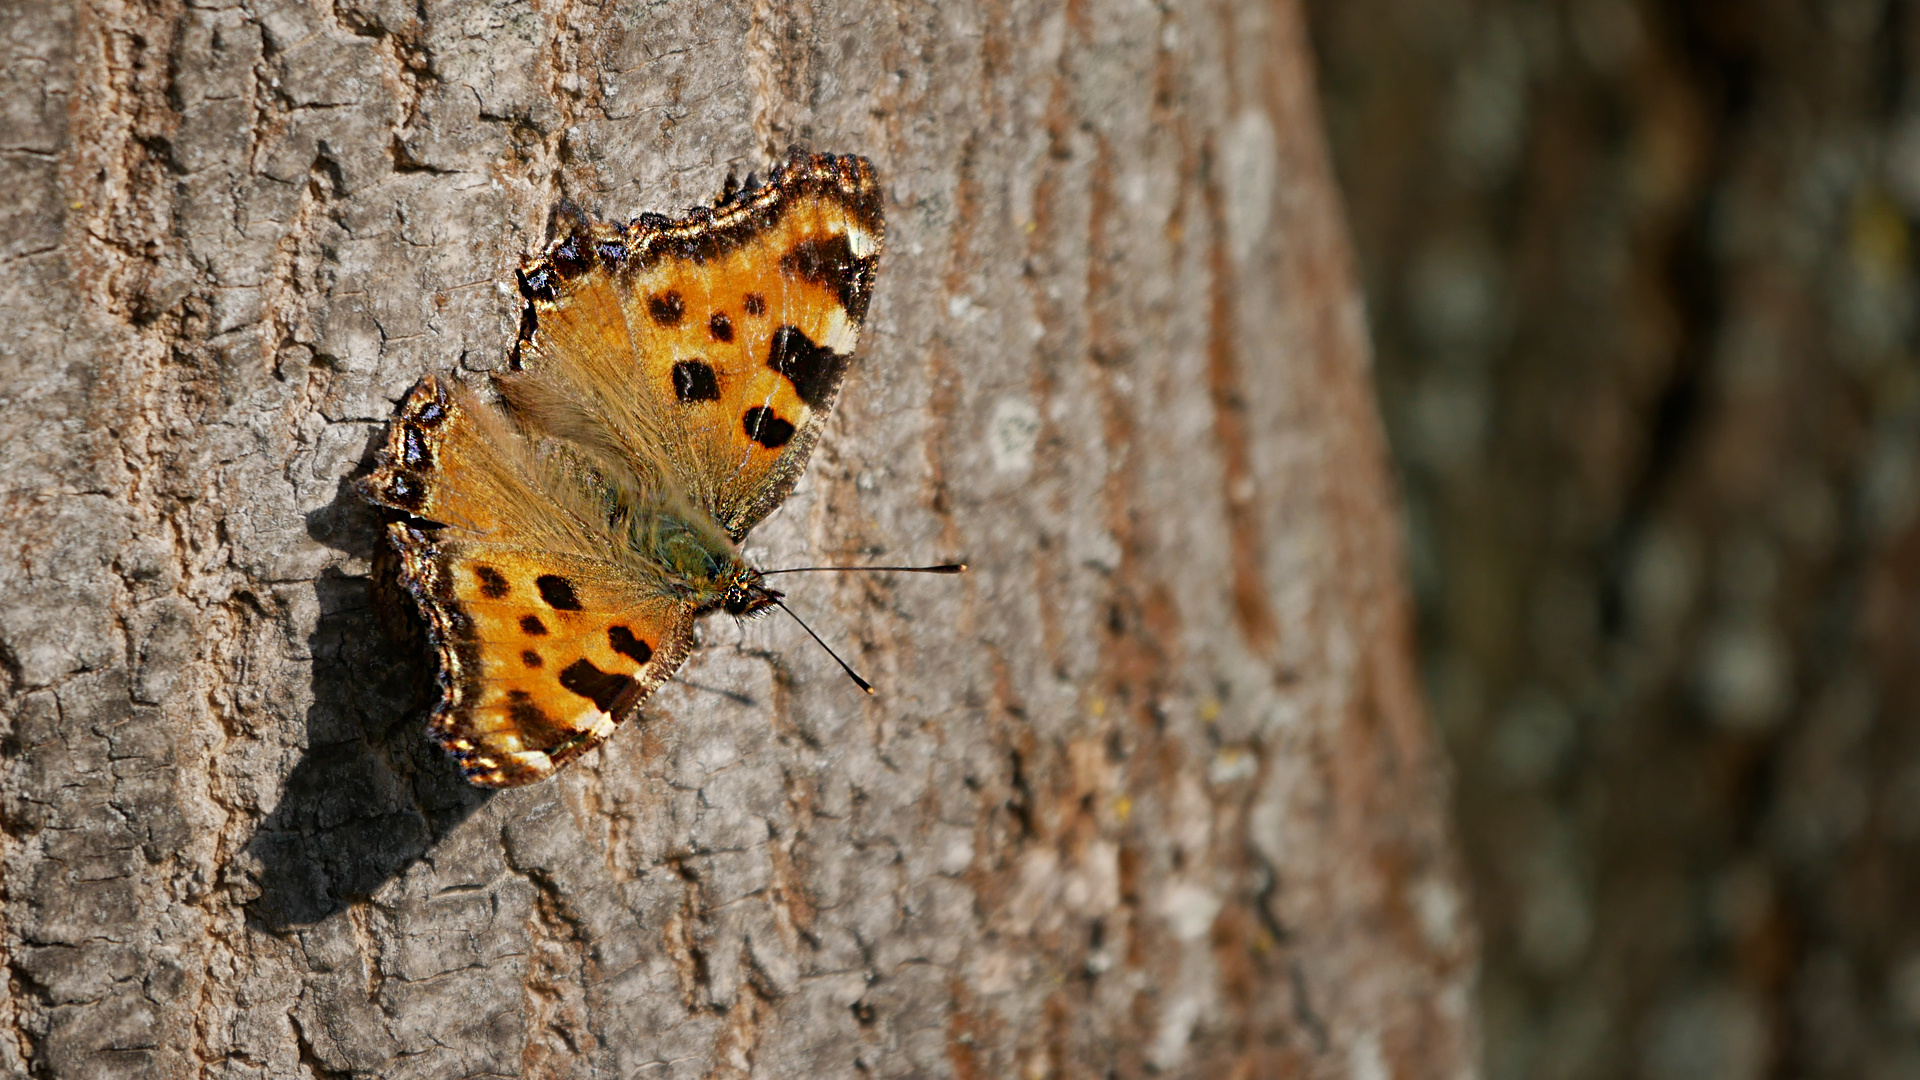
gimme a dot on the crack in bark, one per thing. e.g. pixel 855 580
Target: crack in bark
pixel 560 968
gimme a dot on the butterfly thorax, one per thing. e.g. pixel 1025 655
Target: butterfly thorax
pixel 702 565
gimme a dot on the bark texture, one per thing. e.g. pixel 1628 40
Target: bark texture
pixel 1149 791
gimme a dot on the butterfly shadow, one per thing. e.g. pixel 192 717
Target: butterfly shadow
pixel 370 795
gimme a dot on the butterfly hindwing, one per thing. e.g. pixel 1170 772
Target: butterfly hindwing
pixel 707 349
pixel 546 642
pixel 541 656
pixel 451 460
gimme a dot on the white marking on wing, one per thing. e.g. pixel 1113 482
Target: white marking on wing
pixel 842 334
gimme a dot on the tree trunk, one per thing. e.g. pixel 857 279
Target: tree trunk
pixel 1644 292
pixel 1149 790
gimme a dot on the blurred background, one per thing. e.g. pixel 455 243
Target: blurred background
pixel 1641 279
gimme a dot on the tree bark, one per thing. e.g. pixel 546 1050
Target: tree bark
pixel 1644 299
pixel 1150 790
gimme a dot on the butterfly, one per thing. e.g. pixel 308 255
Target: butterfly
pixel 670 378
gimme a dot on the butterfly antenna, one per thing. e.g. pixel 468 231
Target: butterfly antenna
pixel 943 568
pixel 851 674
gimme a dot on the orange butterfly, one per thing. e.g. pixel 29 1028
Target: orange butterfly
pixel 670 379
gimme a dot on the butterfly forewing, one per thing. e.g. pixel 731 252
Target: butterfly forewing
pixel 739 323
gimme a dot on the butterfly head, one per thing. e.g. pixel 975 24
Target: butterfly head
pixel 746 596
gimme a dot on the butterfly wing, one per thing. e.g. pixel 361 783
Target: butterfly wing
pixel 541 657
pixel 546 642
pixel 705 353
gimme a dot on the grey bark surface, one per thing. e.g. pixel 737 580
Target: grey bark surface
pixel 1149 791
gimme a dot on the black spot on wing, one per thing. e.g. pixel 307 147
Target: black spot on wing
pixel 531 658
pixel 829 261
pixel 531 722
pixel 694 380
pixel 764 427
pixel 405 492
pixel 720 326
pixel 557 592
pixel 521 708
pixel 627 645
pixel 667 308
pixel 493 584
pixel 531 626
pixel 603 688
pixel 572 256
pixel 754 303
pixel 430 409
pixel 814 370
pixel 416 452
pixel 539 283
